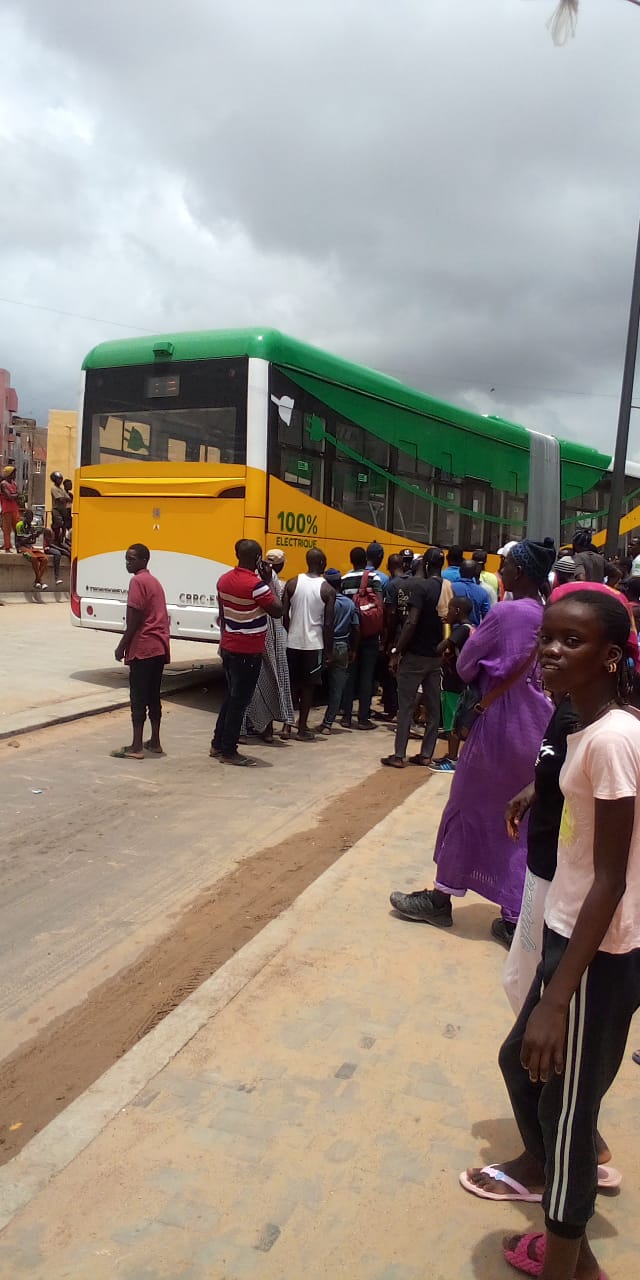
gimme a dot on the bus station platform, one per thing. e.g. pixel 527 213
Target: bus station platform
pixel 53 672
pixel 305 1113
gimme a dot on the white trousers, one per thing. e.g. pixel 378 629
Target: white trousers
pixel 526 948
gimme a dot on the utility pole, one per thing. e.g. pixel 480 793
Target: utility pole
pixel 626 395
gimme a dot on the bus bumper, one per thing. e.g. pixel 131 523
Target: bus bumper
pixel 187 622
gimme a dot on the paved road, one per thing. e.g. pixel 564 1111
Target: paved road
pixel 51 669
pixel 104 853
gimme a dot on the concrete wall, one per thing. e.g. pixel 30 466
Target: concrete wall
pixel 16 578
pixel 61 444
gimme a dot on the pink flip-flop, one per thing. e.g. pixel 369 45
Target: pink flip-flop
pixel 609 1179
pixel 492 1171
pixel 519 1257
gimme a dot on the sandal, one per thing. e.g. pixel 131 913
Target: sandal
pixel 425 761
pixel 123 753
pixel 243 762
pixel 154 751
pixel 521 1259
pixel 306 735
pixel 609 1179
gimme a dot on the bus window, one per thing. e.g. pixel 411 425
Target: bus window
pixel 357 488
pixel 302 472
pixel 297 439
pixel 197 414
pixel 412 513
pixel 358 491
pixel 448 520
pixel 169 435
pixel 476 500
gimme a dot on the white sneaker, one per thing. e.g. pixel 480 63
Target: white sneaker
pixel 43 586
pixel 58 582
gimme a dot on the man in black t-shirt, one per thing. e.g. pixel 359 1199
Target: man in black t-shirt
pixel 417 662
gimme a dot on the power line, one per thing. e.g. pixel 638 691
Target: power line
pixel 75 315
pixel 451 381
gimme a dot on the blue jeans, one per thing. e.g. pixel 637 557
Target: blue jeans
pixel 337 675
pixel 241 673
pixel 360 680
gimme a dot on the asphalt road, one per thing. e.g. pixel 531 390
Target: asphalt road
pixel 101 855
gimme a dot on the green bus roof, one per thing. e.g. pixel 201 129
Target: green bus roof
pixel 342 383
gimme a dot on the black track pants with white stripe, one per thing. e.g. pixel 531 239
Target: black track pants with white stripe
pixel 558 1120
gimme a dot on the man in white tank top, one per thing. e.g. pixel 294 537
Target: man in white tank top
pixel 308 603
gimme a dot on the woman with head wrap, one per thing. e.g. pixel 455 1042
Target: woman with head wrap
pixel 473 850
pixel 272 698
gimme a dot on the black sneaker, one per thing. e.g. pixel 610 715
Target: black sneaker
pixel 420 906
pixel 365 724
pixel 503 931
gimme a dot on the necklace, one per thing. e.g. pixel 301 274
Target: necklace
pixel 602 712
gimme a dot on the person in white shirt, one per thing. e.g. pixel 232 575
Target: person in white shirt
pixel 634 552
pixel 567 1045
pixel 309 605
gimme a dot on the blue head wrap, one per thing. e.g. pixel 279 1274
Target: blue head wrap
pixel 534 558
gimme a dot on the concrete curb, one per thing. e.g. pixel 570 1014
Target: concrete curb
pixel 75 1128
pixel 31 596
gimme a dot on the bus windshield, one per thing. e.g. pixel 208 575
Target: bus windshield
pixel 194 413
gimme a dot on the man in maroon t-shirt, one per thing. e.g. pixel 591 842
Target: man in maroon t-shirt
pixel 245 599
pixel 145 649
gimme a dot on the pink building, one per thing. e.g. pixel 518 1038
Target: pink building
pixel 15 447
pixel 8 406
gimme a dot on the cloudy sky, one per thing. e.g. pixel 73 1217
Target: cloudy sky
pixel 426 186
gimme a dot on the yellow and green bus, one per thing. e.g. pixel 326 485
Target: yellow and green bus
pixel 189 441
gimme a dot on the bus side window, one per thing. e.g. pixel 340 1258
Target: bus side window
pixel 357 487
pixel 297 444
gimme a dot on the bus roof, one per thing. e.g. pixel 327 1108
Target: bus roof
pixel 289 353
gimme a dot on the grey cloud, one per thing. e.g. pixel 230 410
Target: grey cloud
pixel 432 189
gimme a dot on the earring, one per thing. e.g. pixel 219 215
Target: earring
pixel 611 667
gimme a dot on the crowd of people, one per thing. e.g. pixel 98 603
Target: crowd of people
pixel 20 523
pixel 532 675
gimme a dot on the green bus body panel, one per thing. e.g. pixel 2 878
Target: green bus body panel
pixel 456 440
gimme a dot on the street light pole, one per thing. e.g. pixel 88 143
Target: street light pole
pixel 626 395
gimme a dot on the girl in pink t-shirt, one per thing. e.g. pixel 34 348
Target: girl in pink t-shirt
pixel 567 1045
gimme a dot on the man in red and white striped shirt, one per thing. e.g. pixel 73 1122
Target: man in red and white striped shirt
pixel 245 599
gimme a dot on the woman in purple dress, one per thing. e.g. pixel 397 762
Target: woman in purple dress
pixel 473 850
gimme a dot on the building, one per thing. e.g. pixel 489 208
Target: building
pixel 38 491
pixel 18 437
pixel 8 409
pixel 61 442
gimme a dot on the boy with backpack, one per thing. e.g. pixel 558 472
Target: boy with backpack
pixel 364 587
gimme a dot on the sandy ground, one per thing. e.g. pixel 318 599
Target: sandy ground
pixel 312 1125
